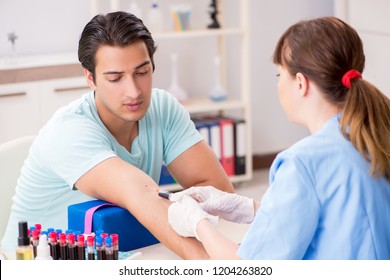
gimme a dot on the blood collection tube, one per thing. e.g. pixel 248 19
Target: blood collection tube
pixel 58 231
pixel 76 233
pixel 38 227
pixel 99 248
pixel 80 247
pixel 53 245
pixel 108 248
pixel 63 246
pixel 115 245
pixel 31 230
pixel 91 247
pixel 72 250
pixel 29 233
pixel 104 235
pixel 35 241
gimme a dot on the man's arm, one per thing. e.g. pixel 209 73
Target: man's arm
pixel 118 182
pixel 199 166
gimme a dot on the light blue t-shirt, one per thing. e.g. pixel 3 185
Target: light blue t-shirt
pixel 75 140
pixel 321 204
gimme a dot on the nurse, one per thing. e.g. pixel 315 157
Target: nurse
pixel 329 194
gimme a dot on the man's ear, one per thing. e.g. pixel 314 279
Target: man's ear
pixel 88 75
pixel 302 83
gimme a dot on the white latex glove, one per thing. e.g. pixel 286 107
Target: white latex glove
pixel 184 216
pixel 229 206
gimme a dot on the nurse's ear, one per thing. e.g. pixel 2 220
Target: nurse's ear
pixel 89 76
pixel 302 84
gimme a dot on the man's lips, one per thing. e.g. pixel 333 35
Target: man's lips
pixel 133 106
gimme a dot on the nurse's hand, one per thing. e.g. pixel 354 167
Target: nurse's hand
pixel 184 216
pixel 229 206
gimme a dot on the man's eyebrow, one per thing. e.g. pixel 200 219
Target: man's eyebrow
pixel 113 72
pixel 143 64
pixel 121 72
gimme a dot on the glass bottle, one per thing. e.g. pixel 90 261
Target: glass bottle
pixel 174 88
pixel 24 251
pixel 218 93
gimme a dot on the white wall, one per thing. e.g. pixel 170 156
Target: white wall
pixel 47 26
pixel 271 129
pixel 372 20
pixel 42 26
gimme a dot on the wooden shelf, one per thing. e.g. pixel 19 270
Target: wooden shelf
pixel 34 61
pixel 204 104
pixel 197 33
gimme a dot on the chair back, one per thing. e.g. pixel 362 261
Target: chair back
pixel 12 156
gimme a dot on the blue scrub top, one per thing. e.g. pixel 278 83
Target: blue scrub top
pixel 321 204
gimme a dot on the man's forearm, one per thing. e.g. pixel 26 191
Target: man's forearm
pixel 157 223
pixel 118 182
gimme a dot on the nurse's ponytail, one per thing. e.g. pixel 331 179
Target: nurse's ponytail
pixel 330 53
pixel 365 121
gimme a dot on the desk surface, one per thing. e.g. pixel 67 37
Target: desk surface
pixel 234 232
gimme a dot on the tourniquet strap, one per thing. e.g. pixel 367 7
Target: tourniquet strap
pixel 89 216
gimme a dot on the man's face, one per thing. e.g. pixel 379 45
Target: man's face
pixel 123 83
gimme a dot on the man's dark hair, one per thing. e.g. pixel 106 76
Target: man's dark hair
pixel 113 29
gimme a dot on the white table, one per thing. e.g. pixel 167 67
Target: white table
pixel 234 232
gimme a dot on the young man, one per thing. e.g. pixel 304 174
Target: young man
pixel 111 143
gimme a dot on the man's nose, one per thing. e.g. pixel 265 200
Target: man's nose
pixel 132 89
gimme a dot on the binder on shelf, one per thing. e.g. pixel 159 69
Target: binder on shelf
pixel 227 145
pixel 227 137
pixel 215 138
pixel 211 130
pixel 240 146
pixel 203 129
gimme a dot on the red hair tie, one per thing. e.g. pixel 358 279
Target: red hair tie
pixel 350 75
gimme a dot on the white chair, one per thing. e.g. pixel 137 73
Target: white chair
pixel 12 156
